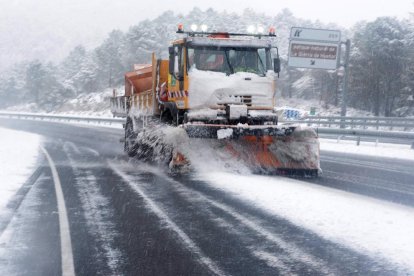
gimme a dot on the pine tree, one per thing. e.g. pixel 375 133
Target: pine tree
pixel 379 60
pixel 109 62
pixel 35 75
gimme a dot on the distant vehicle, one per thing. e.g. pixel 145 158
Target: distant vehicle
pixel 217 85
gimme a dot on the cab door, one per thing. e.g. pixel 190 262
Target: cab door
pixel 177 78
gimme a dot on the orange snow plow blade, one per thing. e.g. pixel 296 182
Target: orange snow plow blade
pixel 286 151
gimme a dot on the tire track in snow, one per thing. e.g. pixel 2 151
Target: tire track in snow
pixel 273 261
pixel 366 164
pixel 364 181
pixel 96 209
pixel 188 242
pixel 293 252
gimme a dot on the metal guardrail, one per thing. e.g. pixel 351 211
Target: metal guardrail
pixel 367 133
pixel 377 123
pixel 67 118
pixel 307 120
pixel 374 127
pixel 377 134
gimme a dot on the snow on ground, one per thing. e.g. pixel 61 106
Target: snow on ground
pixel 374 227
pixel 397 151
pixel 93 104
pixel 210 88
pixel 18 156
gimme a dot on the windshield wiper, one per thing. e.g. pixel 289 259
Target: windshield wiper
pixel 263 67
pixel 226 53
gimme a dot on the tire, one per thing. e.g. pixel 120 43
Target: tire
pixel 130 146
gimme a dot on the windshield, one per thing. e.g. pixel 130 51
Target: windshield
pixel 229 60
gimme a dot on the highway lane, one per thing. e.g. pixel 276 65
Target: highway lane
pixel 383 178
pixel 131 218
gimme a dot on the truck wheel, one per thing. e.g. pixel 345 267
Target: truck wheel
pixel 130 146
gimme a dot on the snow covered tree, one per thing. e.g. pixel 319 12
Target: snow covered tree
pixel 378 61
pixel 87 76
pixel 109 62
pixel 69 69
pixel 54 93
pixel 35 75
pixel 12 85
pixel 43 86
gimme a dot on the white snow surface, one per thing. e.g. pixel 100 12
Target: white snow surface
pixel 380 229
pixel 18 156
pixel 397 151
pixel 210 88
pixel 202 114
pixel 224 133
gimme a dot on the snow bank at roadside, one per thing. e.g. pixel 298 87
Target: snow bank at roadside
pixel 18 155
pixel 377 228
pixel 397 151
pixel 93 104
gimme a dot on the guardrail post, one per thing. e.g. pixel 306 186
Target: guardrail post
pixel 358 140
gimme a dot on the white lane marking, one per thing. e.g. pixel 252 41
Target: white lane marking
pixel 68 268
pixel 206 261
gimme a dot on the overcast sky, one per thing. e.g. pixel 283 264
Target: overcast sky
pixel 123 13
pixel 345 12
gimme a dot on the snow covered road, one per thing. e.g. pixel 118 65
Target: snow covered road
pixel 131 218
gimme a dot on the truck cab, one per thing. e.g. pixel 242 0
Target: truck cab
pixel 217 73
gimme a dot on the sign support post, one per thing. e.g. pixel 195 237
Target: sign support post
pixel 346 75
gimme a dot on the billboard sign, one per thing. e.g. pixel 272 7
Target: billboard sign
pixel 314 48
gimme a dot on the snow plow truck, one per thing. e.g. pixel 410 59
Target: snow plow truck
pixel 214 86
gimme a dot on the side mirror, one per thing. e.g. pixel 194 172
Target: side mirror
pixel 176 69
pixel 276 65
